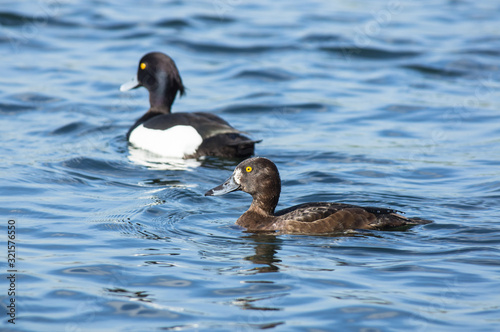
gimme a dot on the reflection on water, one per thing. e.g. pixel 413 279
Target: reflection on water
pixel 141 296
pixel 266 247
pixel 157 162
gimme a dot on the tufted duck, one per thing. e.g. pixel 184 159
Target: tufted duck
pixel 260 178
pixel 180 135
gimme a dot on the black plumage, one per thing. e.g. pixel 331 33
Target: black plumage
pixel 158 73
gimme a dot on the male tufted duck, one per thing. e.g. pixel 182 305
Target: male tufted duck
pixel 260 178
pixel 180 135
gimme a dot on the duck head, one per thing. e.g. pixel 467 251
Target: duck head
pixel 158 73
pixel 257 176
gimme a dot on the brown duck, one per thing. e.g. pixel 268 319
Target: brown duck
pixel 260 178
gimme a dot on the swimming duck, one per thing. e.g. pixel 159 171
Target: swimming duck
pixel 179 135
pixel 260 178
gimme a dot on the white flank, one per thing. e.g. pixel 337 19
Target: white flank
pixel 154 161
pixel 175 142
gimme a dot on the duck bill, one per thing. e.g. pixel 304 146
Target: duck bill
pixel 130 85
pixel 226 187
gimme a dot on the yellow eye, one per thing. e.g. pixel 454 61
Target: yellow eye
pixel 143 65
pixel 248 169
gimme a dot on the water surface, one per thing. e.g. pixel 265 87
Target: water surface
pixel 391 104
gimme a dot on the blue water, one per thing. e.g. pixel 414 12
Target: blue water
pixel 384 103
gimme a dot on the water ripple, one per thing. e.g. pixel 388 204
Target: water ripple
pixel 367 103
pixel 369 53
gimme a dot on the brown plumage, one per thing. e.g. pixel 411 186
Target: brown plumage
pixel 260 178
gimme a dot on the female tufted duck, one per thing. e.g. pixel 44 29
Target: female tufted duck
pixel 180 135
pixel 260 178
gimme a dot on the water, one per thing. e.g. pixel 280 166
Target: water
pixel 385 103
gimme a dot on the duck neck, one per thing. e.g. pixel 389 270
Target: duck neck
pixel 265 204
pixel 162 96
pixel 160 103
pixel 260 215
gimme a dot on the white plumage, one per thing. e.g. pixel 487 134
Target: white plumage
pixel 175 142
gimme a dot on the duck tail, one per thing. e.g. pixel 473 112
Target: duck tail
pixel 245 148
